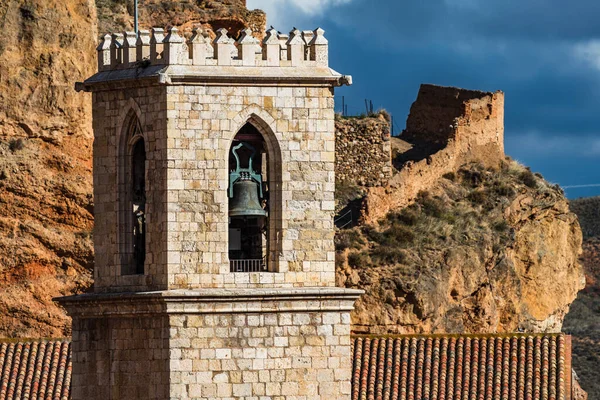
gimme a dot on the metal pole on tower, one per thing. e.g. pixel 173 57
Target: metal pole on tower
pixel 135 16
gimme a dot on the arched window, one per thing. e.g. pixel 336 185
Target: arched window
pixel 132 195
pixel 249 192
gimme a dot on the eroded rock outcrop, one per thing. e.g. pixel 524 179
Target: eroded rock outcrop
pixel 45 161
pixel 116 15
pixel 483 250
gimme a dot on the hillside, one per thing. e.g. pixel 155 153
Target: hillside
pixel 483 250
pixel 583 321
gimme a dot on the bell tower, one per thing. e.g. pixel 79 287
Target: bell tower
pixel 214 199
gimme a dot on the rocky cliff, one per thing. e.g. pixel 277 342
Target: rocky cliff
pixel 45 161
pixel 46 205
pixel 482 250
pixel 583 320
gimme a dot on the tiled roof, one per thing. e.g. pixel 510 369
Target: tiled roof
pixel 515 367
pixel 519 367
pixel 35 370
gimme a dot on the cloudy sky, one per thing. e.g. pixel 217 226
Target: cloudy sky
pixel 544 54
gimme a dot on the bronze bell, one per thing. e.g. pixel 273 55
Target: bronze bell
pixel 244 202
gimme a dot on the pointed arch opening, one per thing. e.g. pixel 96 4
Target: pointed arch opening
pixel 254 194
pixel 132 198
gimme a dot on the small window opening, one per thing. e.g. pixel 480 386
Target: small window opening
pixel 138 204
pixel 248 202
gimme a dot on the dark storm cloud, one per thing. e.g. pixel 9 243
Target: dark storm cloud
pixel 531 19
pixel 545 56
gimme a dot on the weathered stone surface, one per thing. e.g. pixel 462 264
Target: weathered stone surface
pixel 482 252
pixel 117 16
pixel 363 151
pixel 446 128
pixel 45 161
pixel 215 343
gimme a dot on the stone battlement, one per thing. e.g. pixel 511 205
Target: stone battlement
pixel 157 47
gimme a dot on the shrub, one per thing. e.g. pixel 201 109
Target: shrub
pixel 388 255
pixel 451 176
pixel 478 197
pixel 500 226
pixel 408 216
pixel 348 239
pixel 398 234
pixel 16 144
pixel 503 189
pixel 432 206
pixel 528 178
pixel 359 260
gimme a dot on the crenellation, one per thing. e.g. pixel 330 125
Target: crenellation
pixel 143 45
pixel 104 57
pixel 298 49
pixel 175 48
pixel 116 50
pixel 295 48
pixel 199 45
pixel 223 45
pixel 247 46
pixel 156 45
pixel 129 48
pixel 271 48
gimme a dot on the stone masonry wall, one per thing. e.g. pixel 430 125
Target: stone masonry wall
pixel 363 150
pixel 291 355
pixel 111 117
pixel 213 344
pixel 120 358
pixel 297 124
pixel 188 132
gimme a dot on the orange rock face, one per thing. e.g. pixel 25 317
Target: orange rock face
pixel 46 205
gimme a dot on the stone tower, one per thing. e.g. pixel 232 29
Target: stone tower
pixel 191 299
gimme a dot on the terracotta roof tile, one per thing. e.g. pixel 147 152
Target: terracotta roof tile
pixel 494 367
pixel 514 367
pixel 35 370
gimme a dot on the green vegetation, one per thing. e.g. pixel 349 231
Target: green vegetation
pixel 16 145
pixel 466 210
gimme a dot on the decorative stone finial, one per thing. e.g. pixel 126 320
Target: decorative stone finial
pixel 104 53
pixel 198 46
pixel 116 50
pixel 156 45
pixel 295 48
pixel 223 46
pixel 143 45
pixel 247 45
pixel 175 50
pixel 129 47
pixel 271 48
pixel 319 48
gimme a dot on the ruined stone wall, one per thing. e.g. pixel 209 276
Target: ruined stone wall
pixel 470 122
pixel 363 151
pixel 447 127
